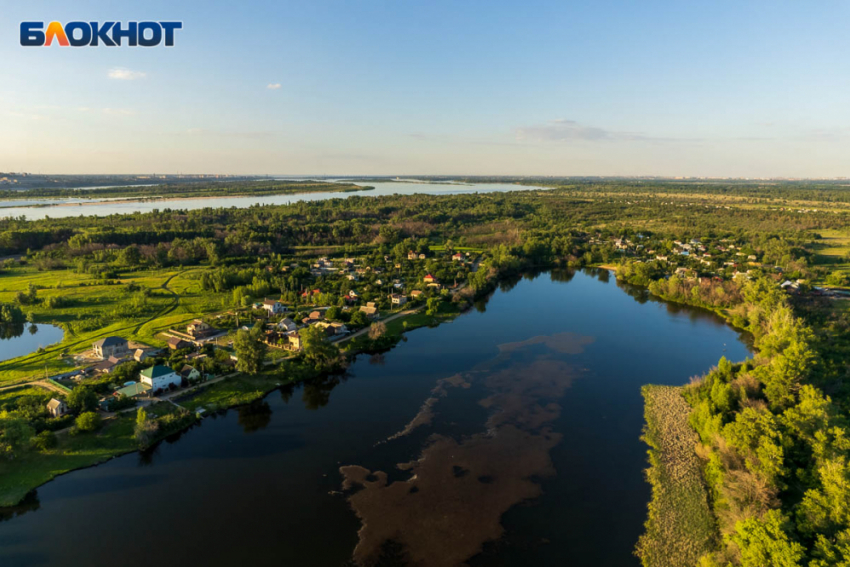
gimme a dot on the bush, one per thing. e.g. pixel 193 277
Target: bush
pixel 45 440
pixel 88 421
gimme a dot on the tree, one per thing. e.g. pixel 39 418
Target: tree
pixel 764 541
pixel 88 421
pixel 377 330
pixel 130 256
pixel 359 319
pixel 146 428
pixel 316 348
pixel 15 436
pixel 45 440
pixel 250 350
pixel 433 306
pixel 82 399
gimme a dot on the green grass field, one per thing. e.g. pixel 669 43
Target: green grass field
pixel 96 310
pixel 680 527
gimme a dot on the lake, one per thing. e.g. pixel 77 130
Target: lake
pixel 23 339
pixel 72 207
pixel 507 437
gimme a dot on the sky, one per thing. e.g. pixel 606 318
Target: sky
pixel 463 87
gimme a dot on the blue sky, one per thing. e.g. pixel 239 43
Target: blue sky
pixel 744 89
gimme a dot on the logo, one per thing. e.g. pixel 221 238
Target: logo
pixel 94 34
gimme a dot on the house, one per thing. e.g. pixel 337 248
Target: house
pixel 57 408
pixel 176 343
pixel 111 346
pixel 411 255
pixel 287 325
pixel 133 390
pixel 312 318
pixel 294 341
pixel 415 293
pixel 458 257
pixel 273 306
pixel 159 377
pixel 398 299
pixel 141 355
pixel 369 309
pixel 430 279
pixel 332 329
pixel 107 365
pixel 199 329
pixel 190 372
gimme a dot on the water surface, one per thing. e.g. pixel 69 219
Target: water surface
pixel 72 207
pixel 18 340
pixel 538 412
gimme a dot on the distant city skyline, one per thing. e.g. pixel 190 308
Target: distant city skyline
pixel 752 89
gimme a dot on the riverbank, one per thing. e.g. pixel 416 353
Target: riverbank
pixel 680 526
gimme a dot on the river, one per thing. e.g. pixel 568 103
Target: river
pixel 507 437
pixel 72 207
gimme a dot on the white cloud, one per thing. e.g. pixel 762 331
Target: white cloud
pixel 561 130
pixel 273 86
pixel 124 74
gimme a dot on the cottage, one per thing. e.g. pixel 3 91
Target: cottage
pixel 159 377
pixel 57 408
pixel 411 255
pixel 132 390
pixel 111 346
pixel 176 343
pixel 430 279
pixel 189 372
pixel 141 355
pixel 273 306
pixel 199 329
pixel 398 299
pixel 294 341
pixel 107 365
pixel 287 325
pixel 458 257
pixel 415 293
pixel 369 309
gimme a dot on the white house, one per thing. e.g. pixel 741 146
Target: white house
pixel 274 307
pixel 57 408
pixel 287 325
pixel 159 377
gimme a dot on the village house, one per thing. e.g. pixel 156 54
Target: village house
pixel 369 309
pixel 198 329
pixel 107 365
pixel 159 377
pixel 141 355
pixel 398 299
pixel 287 325
pixel 294 341
pixel 273 306
pixel 189 372
pixel 458 257
pixel 111 346
pixel 176 343
pixel 415 293
pixel 57 408
pixel 411 255
pixel 332 329
pixel 133 390
pixel 430 279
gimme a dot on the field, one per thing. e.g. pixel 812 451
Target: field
pixel 680 527
pixel 93 309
